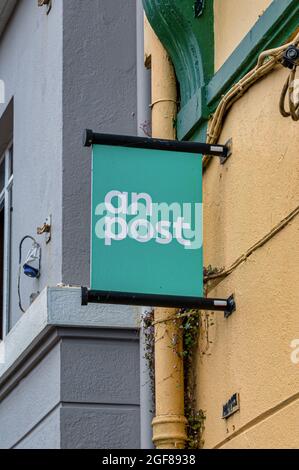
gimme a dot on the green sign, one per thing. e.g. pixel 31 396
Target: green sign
pixel 146 221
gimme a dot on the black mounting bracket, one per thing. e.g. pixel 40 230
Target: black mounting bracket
pixel 90 138
pixel 228 306
pixel 229 146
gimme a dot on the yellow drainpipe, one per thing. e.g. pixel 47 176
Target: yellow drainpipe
pixel 169 424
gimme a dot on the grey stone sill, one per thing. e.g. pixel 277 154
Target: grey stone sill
pixel 61 307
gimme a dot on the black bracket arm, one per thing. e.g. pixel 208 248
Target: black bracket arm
pixel 90 138
pixel 228 306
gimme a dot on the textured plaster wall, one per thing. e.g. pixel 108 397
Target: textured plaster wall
pixel 26 407
pixel 71 400
pixel 100 92
pixel 31 66
pixel 66 71
pixel 71 376
pixel 281 430
pixel 232 21
pixel 100 409
pixel 250 352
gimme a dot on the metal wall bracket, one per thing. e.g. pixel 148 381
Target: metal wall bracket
pixel 232 307
pixel 229 147
pixel 217 150
pixel 227 306
pixel 47 3
pixel 46 229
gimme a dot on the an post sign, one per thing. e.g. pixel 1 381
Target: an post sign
pixel 146 221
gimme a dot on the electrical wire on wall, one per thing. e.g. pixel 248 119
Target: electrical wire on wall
pixel 32 265
pixel 267 61
pixel 226 272
pixel 287 56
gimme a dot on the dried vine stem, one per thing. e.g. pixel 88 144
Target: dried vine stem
pixel 190 325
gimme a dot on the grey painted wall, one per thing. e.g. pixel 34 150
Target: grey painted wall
pixel 100 390
pixel 71 375
pixel 69 70
pixel 66 71
pixel 100 93
pixel 83 393
pixel 25 408
pixel 46 435
pixel 31 66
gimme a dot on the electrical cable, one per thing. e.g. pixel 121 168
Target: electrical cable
pixel 289 88
pixel 267 61
pixel 27 237
pixel 283 223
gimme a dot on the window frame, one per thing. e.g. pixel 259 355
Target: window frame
pixel 6 200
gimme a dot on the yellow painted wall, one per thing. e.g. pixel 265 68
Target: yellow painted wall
pixel 233 20
pixel 250 351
